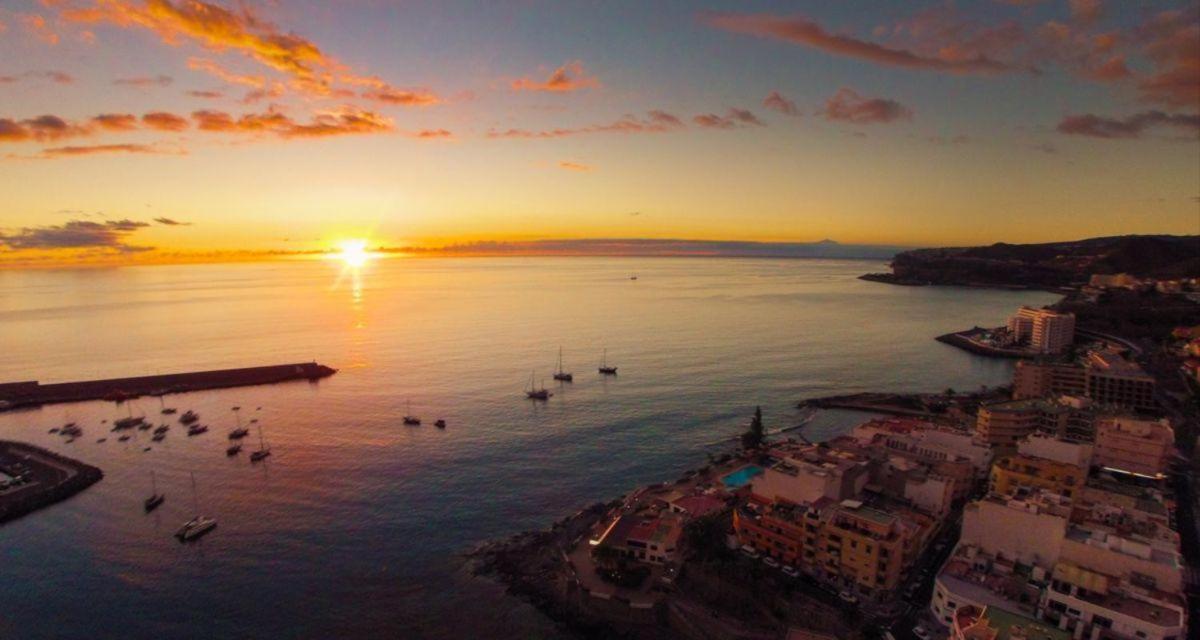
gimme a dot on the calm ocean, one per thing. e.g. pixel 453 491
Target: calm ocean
pixel 353 528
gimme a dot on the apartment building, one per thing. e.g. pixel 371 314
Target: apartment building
pixel 1016 474
pixel 1133 445
pixel 1045 331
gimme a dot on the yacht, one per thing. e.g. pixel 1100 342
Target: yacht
pixel 162 428
pixel 188 417
pixel 441 424
pixel 159 437
pixel 166 411
pixel 263 451
pixel 604 368
pixel 560 375
pixel 239 433
pixel 198 525
pixel 409 418
pixel 197 429
pixel 156 498
pixel 124 438
pixel 233 449
pixel 534 393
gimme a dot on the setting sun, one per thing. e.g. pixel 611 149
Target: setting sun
pixel 354 253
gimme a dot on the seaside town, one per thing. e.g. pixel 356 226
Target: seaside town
pixel 1057 508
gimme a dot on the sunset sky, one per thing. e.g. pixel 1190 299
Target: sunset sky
pixel 136 130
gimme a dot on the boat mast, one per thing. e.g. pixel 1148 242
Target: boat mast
pixel 195 496
pixel 261 443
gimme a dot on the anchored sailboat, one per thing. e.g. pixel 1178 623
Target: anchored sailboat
pixel 534 393
pixel 156 498
pixel 263 451
pixel 198 525
pixel 561 375
pixel 604 368
pixel 409 418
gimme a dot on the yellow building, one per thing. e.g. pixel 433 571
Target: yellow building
pixel 1013 473
pixel 848 545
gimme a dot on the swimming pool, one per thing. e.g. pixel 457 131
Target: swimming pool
pixel 741 476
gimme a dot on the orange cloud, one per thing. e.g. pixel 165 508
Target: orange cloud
pixel 433 134
pixel 405 97
pixel 41 128
pixel 58 152
pixel 164 121
pixel 343 122
pixel 116 121
pixel 38 27
pixel 53 76
pixel 212 26
pixel 574 166
pixel 777 102
pixel 210 67
pixel 569 77
pixel 145 81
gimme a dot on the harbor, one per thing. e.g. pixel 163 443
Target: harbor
pixel 32 478
pixel 31 393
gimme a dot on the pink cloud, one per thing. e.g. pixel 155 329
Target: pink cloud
pixel 1130 127
pixel 848 106
pixel 805 32
pixel 777 102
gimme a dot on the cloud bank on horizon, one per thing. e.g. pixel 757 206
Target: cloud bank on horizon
pixel 715 98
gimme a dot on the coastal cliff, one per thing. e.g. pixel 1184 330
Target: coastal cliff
pixel 1052 265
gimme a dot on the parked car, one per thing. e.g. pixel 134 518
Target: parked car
pixel 770 562
pixel 790 571
pixel 848 598
pixel 922 633
pixel 749 551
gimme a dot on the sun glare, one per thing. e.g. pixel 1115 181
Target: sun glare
pixel 354 253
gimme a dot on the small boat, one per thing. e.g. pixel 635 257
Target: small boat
pixel 263 451
pixel 69 425
pixel 54 430
pixel 239 433
pixel 128 423
pixel 633 277
pixel 73 432
pixel 159 437
pixel 166 411
pixel 188 417
pixel 162 428
pixel 238 408
pixel 439 423
pixel 409 418
pixel 145 426
pixel 604 368
pixel 101 440
pixel 197 429
pixel 534 393
pixel 198 525
pixel 70 440
pixel 124 438
pixel 560 375
pixel 233 450
pixel 156 498
pixel 163 408
pixel 145 449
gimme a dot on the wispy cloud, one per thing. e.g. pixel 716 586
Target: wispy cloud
pixel 569 77
pixel 776 101
pixel 145 81
pixel 732 119
pixel 169 222
pixel 654 121
pixel 164 121
pixel 40 129
pixel 88 150
pixel 54 76
pixel 848 106
pixel 805 32
pixel 574 166
pixel 1129 127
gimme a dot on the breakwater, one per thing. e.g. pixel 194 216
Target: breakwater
pixel 47 478
pixel 20 394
